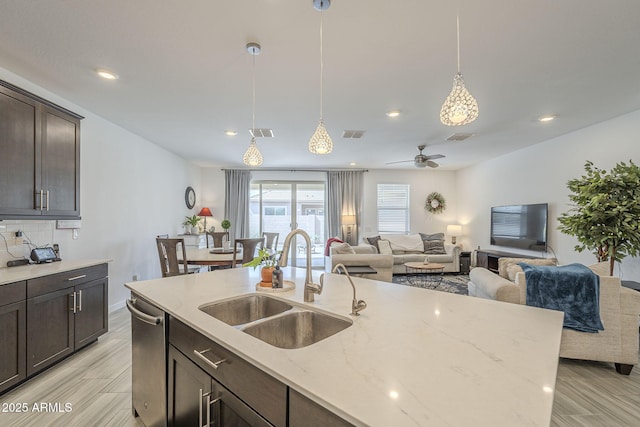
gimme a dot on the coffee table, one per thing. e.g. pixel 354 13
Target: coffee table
pixel 422 275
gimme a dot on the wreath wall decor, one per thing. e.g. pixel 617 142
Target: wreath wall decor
pixel 435 203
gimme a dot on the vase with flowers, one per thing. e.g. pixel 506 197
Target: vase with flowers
pixel 268 262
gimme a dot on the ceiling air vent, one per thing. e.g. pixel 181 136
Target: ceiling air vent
pixel 353 134
pixel 261 133
pixel 459 136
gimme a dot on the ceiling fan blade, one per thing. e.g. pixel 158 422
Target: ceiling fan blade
pixel 432 164
pixel 403 161
pixel 435 156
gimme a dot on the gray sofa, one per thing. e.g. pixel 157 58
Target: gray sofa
pixel 450 259
pixel 365 255
pixel 619 311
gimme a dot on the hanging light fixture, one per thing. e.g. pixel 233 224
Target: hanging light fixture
pixel 253 157
pixel 460 107
pixel 320 142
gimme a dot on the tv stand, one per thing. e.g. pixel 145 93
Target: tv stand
pixel 489 258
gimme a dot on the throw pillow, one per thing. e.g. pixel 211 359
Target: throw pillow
pixel 434 247
pixel 384 246
pixel 436 236
pixel 373 241
pixel 342 248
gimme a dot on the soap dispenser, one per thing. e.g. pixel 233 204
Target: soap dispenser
pixel 276 278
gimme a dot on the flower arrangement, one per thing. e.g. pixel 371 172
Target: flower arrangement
pixel 264 258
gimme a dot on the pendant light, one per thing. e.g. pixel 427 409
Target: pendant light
pixel 253 157
pixel 320 142
pixel 460 107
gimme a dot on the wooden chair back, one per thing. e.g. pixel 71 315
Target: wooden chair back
pixel 271 240
pixel 248 247
pixel 168 255
pixel 217 237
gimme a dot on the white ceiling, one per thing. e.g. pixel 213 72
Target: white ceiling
pixel 185 75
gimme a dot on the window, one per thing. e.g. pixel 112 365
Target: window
pixel 275 211
pixel 393 208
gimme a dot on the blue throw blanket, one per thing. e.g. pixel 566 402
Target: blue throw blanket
pixel 573 288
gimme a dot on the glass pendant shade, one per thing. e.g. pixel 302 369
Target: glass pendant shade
pixel 320 142
pixel 252 157
pixel 460 107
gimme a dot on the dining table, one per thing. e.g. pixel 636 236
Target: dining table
pixel 211 256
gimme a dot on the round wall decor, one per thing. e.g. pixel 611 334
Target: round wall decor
pixel 435 203
pixel 190 197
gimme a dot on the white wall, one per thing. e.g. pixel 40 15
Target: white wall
pixel 130 189
pixel 539 174
pixel 422 182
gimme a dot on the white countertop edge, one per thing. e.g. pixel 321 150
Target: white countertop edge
pixel 31 271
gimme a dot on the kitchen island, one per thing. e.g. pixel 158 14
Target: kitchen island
pixel 413 356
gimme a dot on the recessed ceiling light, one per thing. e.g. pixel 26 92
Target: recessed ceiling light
pixel 108 75
pixel 230 133
pixel 547 118
pixel 352 164
pixel 393 113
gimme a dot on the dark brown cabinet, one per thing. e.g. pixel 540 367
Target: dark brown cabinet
pixel 40 162
pixel 304 412
pixel 489 259
pixel 13 324
pixel 49 318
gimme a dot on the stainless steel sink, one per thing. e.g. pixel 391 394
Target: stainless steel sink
pixel 245 309
pixel 297 329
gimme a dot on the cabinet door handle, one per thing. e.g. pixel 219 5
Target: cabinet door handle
pixel 47 199
pixel 41 199
pixel 76 277
pixel 214 365
pixel 73 296
pixel 80 300
pixel 201 396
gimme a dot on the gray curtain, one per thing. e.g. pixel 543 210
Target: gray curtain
pixel 344 197
pixel 236 201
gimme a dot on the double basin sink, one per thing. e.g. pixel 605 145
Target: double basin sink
pixel 275 321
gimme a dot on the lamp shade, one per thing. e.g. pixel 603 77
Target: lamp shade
pixel 454 230
pixel 205 212
pixel 348 220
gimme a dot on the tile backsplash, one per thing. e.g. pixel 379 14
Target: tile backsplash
pixel 34 233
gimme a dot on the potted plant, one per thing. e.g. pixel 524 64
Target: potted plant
pixel 226 224
pixel 268 262
pixel 191 222
pixel 605 212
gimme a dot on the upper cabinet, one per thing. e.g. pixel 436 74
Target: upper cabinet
pixel 39 157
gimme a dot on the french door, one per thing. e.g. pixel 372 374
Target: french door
pixel 282 206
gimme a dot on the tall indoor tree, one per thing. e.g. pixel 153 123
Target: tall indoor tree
pixel 605 217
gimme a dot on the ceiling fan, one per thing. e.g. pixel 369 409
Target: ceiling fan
pixel 422 160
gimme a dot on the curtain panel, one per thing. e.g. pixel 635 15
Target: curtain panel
pixel 344 197
pixel 236 201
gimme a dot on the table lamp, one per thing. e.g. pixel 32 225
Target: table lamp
pixel 454 230
pixel 205 212
pixel 349 221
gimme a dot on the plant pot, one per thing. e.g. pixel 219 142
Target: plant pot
pixel 195 229
pixel 266 274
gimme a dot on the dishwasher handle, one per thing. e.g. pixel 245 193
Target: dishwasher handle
pixel 143 317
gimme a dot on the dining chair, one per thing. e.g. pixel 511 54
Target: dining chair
pixel 217 237
pixel 248 247
pixel 170 265
pixel 270 240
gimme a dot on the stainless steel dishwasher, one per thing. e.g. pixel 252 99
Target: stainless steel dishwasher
pixel 149 367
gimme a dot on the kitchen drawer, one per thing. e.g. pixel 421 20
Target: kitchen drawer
pixel 45 284
pixel 13 292
pixel 263 393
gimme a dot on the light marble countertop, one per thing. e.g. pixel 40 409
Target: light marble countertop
pixel 31 271
pixel 414 357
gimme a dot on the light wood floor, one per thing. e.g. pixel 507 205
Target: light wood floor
pixel 97 383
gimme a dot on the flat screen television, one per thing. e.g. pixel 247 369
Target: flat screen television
pixel 520 226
